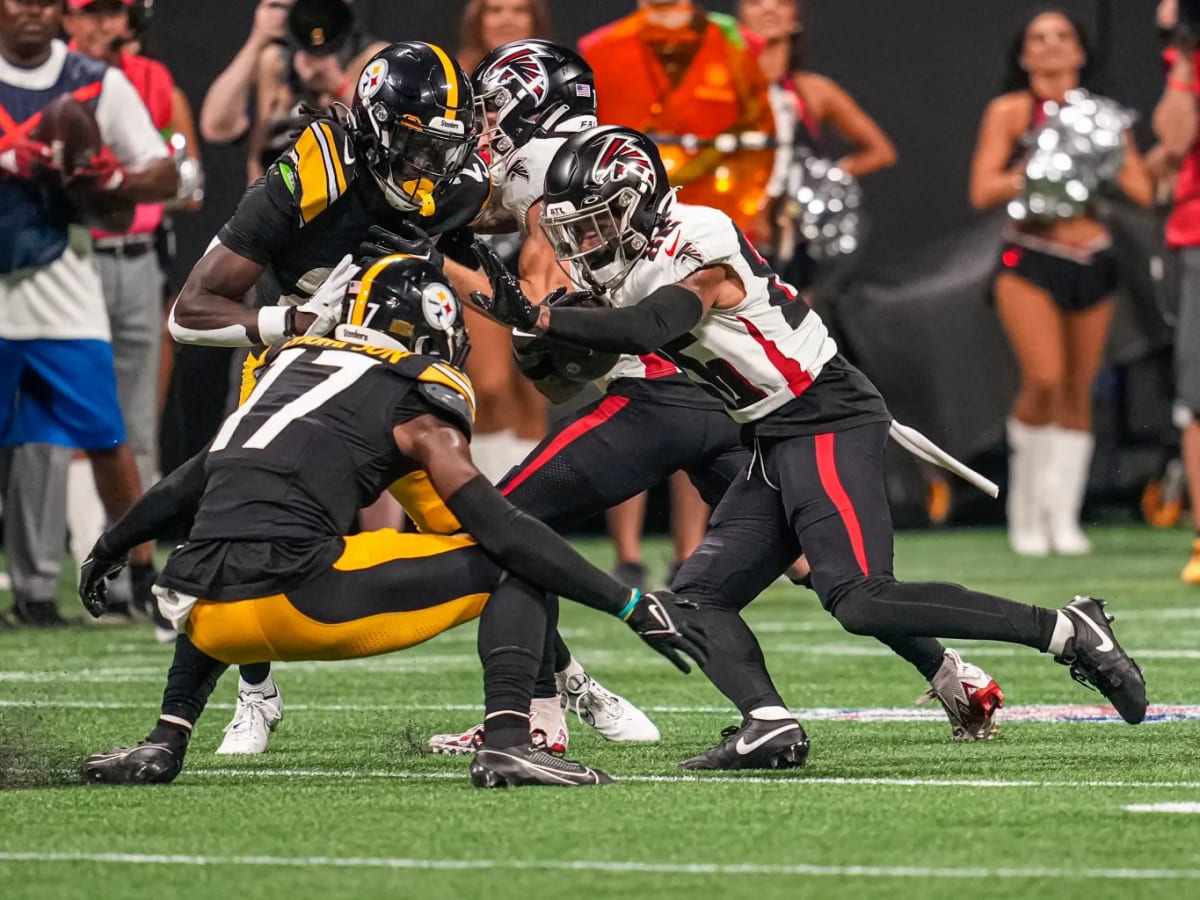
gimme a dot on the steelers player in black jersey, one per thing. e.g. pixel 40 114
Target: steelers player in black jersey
pixel 402 154
pixel 267 572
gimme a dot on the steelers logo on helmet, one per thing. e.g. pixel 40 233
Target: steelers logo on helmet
pixel 372 78
pixel 439 307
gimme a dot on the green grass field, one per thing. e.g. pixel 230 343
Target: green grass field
pixel 347 804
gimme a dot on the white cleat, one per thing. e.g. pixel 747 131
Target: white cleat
pixel 256 715
pixel 453 744
pixel 970 697
pixel 548 725
pixel 610 714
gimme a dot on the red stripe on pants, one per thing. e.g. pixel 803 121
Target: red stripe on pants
pixel 609 407
pixel 827 469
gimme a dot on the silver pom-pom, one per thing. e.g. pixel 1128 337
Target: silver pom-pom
pixel 1077 149
pixel 822 206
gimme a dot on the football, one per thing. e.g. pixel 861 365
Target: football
pixel 572 363
pixel 69 129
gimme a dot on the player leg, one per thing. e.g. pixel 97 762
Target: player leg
pixel 832 487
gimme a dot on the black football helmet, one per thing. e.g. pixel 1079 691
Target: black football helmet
pixel 403 302
pixel 606 193
pixel 414 119
pixel 526 88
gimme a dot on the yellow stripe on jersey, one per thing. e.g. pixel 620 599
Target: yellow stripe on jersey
pixel 322 179
pixel 451 377
pixel 451 80
pixel 359 311
pixel 250 369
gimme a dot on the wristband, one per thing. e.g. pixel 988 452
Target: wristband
pixel 1175 84
pixel 634 596
pixel 272 324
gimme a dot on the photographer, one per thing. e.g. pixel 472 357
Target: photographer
pixel 1175 125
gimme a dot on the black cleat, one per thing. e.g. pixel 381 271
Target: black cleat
pixel 39 614
pixel 1097 660
pixel 527 765
pixel 150 762
pixel 756 744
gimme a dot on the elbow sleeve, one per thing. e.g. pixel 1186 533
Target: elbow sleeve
pixel 664 315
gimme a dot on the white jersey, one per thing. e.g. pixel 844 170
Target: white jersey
pixel 759 355
pixel 63 300
pixel 523 185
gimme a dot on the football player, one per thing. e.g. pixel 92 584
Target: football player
pixel 267 573
pixel 684 281
pixel 652 421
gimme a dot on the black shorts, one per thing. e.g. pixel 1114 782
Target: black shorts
pixel 617 448
pixel 1075 281
pixel 823 492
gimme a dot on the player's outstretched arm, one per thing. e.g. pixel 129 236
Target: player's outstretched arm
pixel 526 547
pixel 209 309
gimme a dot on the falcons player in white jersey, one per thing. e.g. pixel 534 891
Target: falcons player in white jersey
pixel 683 280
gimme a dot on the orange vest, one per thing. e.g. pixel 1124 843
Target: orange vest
pixel 722 91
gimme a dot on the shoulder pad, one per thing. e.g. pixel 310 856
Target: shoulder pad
pixel 459 201
pixel 318 168
pixel 448 400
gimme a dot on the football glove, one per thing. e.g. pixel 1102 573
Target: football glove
pixel 26 159
pixel 95 573
pixel 670 623
pixel 508 304
pixel 103 172
pixel 409 239
pixel 326 303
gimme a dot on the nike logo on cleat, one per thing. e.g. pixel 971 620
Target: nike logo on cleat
pixel 743 748
pixel 1105 643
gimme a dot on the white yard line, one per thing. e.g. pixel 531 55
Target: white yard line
pixel 582 865
pixel 1177 808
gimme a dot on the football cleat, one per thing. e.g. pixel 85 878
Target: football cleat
pixel 256 716
pixel 1191 572
pixel 150 762
pixel 548 725
pixel 970 697
pixel 610 714
pixel 756 744
pixel 527 765
pixel 1097 660
pixel 468 741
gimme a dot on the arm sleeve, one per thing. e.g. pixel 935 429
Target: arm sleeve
pixel 125 124
pixel 170 503
pixel 265 220
pixel 668 313
pixel 527 548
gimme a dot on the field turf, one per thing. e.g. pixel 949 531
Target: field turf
pixel 348 804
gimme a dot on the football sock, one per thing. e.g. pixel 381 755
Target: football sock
pixel 736 666
pixel 547 686
pixel 771 713
pixel 512 637
pixel 925 654
pixel 171 731
pixel 253 674
pixel 562 655
pixel 505 728
pixel 190 681
pixel 1064 630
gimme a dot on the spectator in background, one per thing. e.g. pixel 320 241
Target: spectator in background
pixel 684 76
pixel 1177 126
pixel 57 386
pixel 1053 292
pixel 805 104
pixel 510 416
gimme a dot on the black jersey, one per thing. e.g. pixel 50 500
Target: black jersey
pixel 315 204
pixel 288 471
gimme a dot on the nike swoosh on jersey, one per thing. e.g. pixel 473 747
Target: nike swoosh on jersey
pixel 1105 643
pixel 348 152
pixel 744 748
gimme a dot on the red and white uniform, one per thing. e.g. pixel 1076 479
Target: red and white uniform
pixel 759 355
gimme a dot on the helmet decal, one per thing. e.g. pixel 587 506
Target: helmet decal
pixel 619 157
pixel 437 303
pixel 372 78
pixel 525 66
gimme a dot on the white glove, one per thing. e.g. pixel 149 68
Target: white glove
pixel 326 303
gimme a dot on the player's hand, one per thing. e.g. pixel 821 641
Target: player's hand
pixel 27 159
pixel 95 573
pixel 326 304
pixel 102 173
pixel 508 303
pixel 670 623
pixel 409 239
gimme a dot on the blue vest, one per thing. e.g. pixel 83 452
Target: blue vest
pixel 34 214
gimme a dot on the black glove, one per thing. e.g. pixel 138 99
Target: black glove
pixel 409 238
pixel 456 245
pixel 508 303
pixel 98 569
pixel 670 623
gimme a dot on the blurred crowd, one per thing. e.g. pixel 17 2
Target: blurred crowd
pixel 744 126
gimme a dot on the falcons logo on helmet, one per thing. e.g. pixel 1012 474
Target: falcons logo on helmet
pixel 621 156
pixel 525 66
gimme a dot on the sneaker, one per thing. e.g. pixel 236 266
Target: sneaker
pixel 149 762
pixel 756 744
pixel 1191 572
pixel 468 741
pixel 630 574
pixel 256 716
pixel 527 765
pixel 970 697
pixel 548 725
pixel 39 614
pixel 1097 660
pixel 610 714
